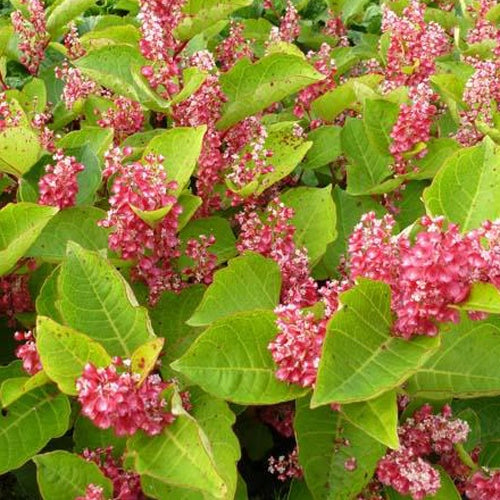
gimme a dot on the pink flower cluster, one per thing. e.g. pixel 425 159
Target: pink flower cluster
pixel 158 20
pixel 28 352
pixel 414 46
pixel 76 85
pixel 125 116
pixel 413 126
pixel 279 417
pixel 428 276
pixel 92 492
pixel 336 28
pixel 72 42
pixel 407 469
pixel 204 261
pixel 126 483
pixel 14 296
pixel 272 236
pixel 289 28
pixel 115 400
pixel 33 35
pixel 483 29
pixel 59 186
pixel 203 107
pixel 286 467
pixel 252 161
pixel 325 64
pixel 46 136
pixel 483 487
pixel 233 48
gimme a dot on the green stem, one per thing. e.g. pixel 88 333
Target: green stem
pixel 465 457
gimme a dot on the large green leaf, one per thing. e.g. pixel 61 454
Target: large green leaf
pixel 326 441
pixel 326 146
pixel 465 365
pixel 64 476
pixel 249 282
pixel 215 419
pixel 467 187
pixel 483 297
pixel 314 218
pixel 368 167
pixel 169 317
pixel 96 138
pixel 379 116
pixel 180 147
pixel 66 11
pixel 64 353
pixel 202 14
pixel 95 299
pixel 87 435
pixel 77 224
pixel 20 226
pixel 45 303
pixel 14 388
pixel 29 424
pixel 111 66
pixel 19 150
pixel 377 417
pixel 180 457
pixel 361 359
pixel 231 360
pixel 251 88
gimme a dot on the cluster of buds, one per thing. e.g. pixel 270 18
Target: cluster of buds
pixel 428 276
pixel 413 126
pixel 111 399
pixel 289 28
pixel 408 469
pixel 286 467
pixel 125 117
pixel 8 118
pixel 72 42
pixel 76 85
pixel 92 492
pixel 279 417
pixel 324 63
pixel 414 46
pixel 33 35
pixel 204 261
pixel 126 483
pixel 233 48
pixel 483 486
pixel 59 186
pixel 28 352
pixel 15 296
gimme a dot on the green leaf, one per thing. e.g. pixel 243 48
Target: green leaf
pixel 465 364
pixel 192 78
pixel 96 138
pixel 19 150
pixel 77 224
pixel 325 149
pixel 314 218
pixel 66 11
pixel 483 297
pixel 179 457
pixel 361 359
pixel 64 476
pixel 249 282
pixel 64 353
pixel 225 242
pixel 368 168
pixel 343 97
pixel 377 417
pixel 20 226
pixel 251 88
pixel 96 300
pixel 34 97
pixel 169 317
pixel 111 66
pixel 145 356
pixel 29 424
pixel 379 117
pixel 190 205
pixel 231 360
pixel 115 34
pixel 14 388
pixel 326 441
pixel 181 147
pixel 45 304
pixel 466 188
pixel 215 419
pixel 202 14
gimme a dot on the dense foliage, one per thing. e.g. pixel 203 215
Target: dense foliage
pixel 250 249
